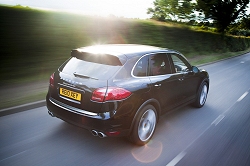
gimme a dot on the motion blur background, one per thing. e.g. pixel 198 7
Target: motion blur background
pixel 37 36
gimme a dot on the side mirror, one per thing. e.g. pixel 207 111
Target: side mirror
pixel 195 69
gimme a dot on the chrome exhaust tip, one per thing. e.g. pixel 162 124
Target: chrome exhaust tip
pixel 94 132
pixel 51 114
pixel 101 135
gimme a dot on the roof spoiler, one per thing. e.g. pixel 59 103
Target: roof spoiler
pixel 106 59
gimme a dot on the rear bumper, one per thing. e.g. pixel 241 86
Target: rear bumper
pixel 91 121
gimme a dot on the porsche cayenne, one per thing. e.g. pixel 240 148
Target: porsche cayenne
pixel 122 89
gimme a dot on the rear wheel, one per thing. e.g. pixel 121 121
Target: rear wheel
pixel 202 95
pixel 144 126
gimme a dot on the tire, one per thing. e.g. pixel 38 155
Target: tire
pixel 202 95
pixel 144 126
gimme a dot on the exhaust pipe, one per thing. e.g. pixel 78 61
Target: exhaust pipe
pixel 98 133
pixel 94 132
pixel 51 114
pixel 101 135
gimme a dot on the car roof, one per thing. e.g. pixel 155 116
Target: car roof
pixel 118 50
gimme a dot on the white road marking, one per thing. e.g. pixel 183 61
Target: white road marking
pixel 242 97
pixel 176 159
pixel 13 156
pixel 215 122
pixel 218 120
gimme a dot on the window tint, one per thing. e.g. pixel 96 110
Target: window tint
pixel 88 69
pixel 159 64
pixel 179 64
pixel 141 67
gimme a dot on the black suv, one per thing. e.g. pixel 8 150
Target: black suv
pixel 122 89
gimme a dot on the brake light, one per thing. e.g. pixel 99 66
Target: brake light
pixel 112 93
pixel 51 80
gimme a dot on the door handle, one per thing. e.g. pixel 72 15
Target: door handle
pixel 157 85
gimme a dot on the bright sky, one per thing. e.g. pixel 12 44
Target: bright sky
pixel 120 8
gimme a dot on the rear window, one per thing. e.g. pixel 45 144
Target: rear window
pixel 91 67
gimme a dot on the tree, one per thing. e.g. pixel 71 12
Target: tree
pixel 245 23
pixel 172 10
pixel 241 27
pixel 222 12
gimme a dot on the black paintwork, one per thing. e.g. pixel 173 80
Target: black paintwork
pixel 164 92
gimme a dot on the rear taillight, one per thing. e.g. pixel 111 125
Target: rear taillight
pixel 112 93
pixel 51 80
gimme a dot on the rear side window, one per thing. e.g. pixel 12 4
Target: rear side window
pixel 141 67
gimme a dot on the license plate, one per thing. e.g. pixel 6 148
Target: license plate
pixel 70 94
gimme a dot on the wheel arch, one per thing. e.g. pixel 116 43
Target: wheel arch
pixel 207 81
pixel 195 103
pixel 201 82
pixel 205 78
pixel 152 102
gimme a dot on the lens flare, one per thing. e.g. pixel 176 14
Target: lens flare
pixel 148 153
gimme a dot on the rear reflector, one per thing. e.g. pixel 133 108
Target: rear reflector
pixel 112 93
pixel 51 80
pixel 113 133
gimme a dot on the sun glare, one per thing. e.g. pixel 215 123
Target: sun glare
pixel 148 153
pixel 118 8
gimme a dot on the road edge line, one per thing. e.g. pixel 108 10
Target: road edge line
pixel 21 108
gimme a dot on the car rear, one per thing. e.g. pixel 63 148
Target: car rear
pixel 82 91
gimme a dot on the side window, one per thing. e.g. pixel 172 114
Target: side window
pixel 159 64
pixel 179 64
pixel 141 67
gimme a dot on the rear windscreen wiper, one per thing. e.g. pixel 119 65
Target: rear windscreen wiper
pixel 84 76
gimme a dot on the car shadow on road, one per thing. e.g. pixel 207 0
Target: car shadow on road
pixel 76 135
pixel 173 132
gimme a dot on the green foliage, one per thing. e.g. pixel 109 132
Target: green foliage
pixel 239 32
pixel 21 7
pixel 235 44
pixel 171 9
pixel 245 23
pixel 241 28
pixel 222 12
pixel 34 43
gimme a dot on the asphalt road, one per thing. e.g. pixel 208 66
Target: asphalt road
pixel 217 134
